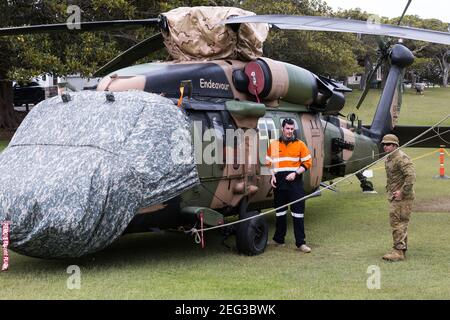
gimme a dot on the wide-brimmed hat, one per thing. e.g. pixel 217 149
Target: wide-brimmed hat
pixel 390 138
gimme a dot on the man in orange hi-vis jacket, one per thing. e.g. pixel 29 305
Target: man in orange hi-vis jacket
pixel 289 158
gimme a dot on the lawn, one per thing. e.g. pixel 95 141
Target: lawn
pixel 3 144
pixel 348 231
pixel 426 109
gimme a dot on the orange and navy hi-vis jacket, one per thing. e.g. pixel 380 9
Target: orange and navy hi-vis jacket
pixel 282 157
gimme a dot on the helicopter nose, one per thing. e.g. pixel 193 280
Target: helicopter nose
pixel 77 171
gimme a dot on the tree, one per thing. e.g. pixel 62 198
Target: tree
pixel 435 54
pixel 366 49
pixel 420 69
pixel 60 54
pixel 57 54
pixel 446 67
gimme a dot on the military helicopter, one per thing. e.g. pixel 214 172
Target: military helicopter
pixel 226 87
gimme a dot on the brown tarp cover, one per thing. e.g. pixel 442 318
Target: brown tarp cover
pixel 195 34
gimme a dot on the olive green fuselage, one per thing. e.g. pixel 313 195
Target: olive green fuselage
pixel 217 100
pixel 336 151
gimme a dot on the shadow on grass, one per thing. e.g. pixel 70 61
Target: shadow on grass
pixel 147 249
pixel 167 246
pixel 134 249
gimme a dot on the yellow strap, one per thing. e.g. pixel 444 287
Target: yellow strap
pixel 447 152
pixel 419 157
pixel 180 100
pixel 426 155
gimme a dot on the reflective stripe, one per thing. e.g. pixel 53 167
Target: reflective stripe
pixel 285 169
pixel 306 158
pixel 269 159
pixel 297 215
pixel 281 213
pixel 285 159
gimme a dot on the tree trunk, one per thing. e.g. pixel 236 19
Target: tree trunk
pixel 413 79
pixel 445 77
pixel 446 65
pixel 8 119
pixel 367 68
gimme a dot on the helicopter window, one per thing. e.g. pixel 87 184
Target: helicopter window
pixel 199 117
pixel 262 127
pixel 271 129
pixel 216 123
pixel 267 129
pixel 218 126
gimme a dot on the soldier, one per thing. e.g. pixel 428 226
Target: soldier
pixel 401 177
pixel 289 158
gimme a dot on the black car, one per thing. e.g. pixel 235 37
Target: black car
pixel 28 93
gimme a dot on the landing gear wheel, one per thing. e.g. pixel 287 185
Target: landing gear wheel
pixel 252 235
pixel 367 186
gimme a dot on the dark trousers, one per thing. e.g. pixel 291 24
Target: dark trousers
pixel 285 196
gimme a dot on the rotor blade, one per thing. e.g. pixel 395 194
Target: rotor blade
pixel 368 81
pixel 318 23
pixel 81 27
pixel 404 11
pixel 133 54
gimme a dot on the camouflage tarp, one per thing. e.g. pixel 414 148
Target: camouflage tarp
pixel 195 34
pixel 75 173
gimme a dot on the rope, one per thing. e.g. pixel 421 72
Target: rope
pixel 317 192
pixel 447 152
pixel 431 137
pixel 198 238
pixel 417 158
pixel 437 132
pixel 377 154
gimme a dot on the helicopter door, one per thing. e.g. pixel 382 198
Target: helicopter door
pixel 267 133
pixel 311 133
pixel 215 149
pixel 199 127
pixel 230 174
pixel 314 136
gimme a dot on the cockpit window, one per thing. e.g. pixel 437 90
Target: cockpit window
pixel 267 129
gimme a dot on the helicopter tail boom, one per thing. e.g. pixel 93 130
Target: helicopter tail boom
pixel 389 105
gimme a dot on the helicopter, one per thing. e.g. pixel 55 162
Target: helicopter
pixel 227 87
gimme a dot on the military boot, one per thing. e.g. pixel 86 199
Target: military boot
pixel 395 255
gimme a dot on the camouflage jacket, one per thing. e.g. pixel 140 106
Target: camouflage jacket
pixel 401 175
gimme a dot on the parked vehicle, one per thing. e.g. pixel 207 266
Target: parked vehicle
pixel 28 93
pixel 32 93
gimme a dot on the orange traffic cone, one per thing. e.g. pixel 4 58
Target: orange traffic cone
pixel 441 163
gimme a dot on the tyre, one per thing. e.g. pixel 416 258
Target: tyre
pixel 367 186
pixel 252 235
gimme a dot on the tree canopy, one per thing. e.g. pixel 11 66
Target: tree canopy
pixel 335 55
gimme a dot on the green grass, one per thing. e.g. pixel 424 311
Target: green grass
pixel 3 144
pixel 416 109
pixel 348 232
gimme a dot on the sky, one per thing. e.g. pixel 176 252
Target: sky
pixel 438 9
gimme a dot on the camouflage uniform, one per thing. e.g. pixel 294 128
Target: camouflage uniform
pixel 400 176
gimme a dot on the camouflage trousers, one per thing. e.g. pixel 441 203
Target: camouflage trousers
pixel 399 213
